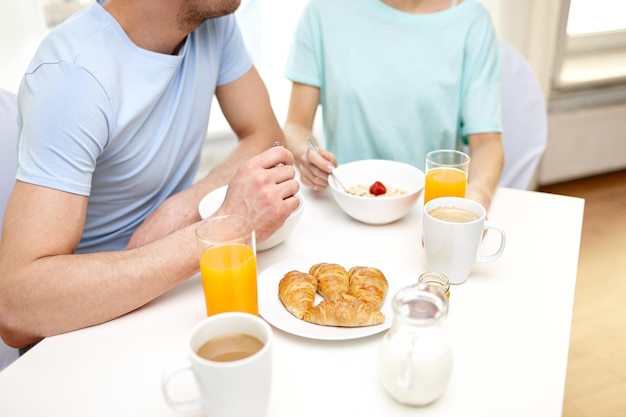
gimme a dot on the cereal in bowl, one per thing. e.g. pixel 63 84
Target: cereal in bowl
pixel 376 189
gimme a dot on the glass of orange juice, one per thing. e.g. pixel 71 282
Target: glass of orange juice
pixel 446 174
pixel 227 251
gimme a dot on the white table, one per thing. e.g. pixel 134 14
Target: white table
pixel 509 325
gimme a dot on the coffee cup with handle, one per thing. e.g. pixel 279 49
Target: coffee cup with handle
pixel 229 355
pixel 453 229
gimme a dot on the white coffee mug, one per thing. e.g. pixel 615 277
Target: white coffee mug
pixel 452 241
pixel 226 388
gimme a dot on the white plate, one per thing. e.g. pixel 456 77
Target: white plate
pixel 272 309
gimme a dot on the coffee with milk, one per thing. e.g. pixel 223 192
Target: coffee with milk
pixel 453 214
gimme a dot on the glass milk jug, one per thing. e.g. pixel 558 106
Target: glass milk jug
pixel 415 362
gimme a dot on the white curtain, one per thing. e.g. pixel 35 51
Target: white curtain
pixel 532 27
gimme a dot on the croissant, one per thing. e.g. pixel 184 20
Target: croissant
pixel 344 311
pixel 368 285
pixel 297 292
pixel 332 280
pixel 351 299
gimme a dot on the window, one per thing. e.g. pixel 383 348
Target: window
pixel 592 45
pixel 595 16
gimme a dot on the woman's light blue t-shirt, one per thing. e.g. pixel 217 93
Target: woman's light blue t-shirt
pixel 395 85
pixel 103 118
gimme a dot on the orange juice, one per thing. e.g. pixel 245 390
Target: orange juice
pixel 229 279
pixel 444 182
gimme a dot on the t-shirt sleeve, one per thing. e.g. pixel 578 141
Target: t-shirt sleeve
pixel 68 117
pixel 235 58
pixel 304 61
pixel 480 101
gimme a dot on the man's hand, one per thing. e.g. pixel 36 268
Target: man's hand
pixel 263 191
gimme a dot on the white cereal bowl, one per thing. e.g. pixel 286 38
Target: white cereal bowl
pixel 377 210
pixel 213 200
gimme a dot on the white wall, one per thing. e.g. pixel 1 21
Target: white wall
pixel 267 27
pixel 270 46
pixel 22 26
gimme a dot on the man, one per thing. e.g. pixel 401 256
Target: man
pixel 113 110
pixel 8 133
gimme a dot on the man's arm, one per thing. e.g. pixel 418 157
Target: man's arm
pixel 246 106
pixel 46 289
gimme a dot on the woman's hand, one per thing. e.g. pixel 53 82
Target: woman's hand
pixel 315 168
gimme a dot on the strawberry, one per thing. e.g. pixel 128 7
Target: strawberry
pixel 378 188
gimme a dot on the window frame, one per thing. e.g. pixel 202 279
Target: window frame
pixel 581 51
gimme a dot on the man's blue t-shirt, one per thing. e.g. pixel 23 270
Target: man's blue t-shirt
pixel 103 118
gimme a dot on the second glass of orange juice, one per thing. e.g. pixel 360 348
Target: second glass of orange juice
pixel 227 252
pixel 446 174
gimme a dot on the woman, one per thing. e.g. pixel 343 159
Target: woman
pixel 395 80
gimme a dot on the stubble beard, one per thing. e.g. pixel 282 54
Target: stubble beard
pixel 192 13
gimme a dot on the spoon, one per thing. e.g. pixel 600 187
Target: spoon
pixel 280 164
pixel 332 173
